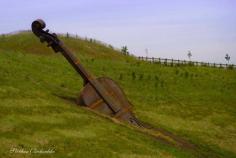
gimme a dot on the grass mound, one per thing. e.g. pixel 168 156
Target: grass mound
pixel 196 103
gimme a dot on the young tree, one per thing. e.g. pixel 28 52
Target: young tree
pixel 189 54
pixel 146 51
pixel 124 50
pixel 67 35
pixel 227 57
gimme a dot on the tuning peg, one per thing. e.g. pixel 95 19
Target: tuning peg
pixel 49 43
pixel 42 39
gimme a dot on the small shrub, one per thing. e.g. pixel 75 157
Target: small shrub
pixel 156 84
pixel 124 50
pixel 133 75
pixel 63 85
pixel 162 84
pixel 190 64
pixel 177 72
pixel 230 67
pixel 26 77
pixel 140 76
pixel 186 74
pixel 138 63
pixel 121 77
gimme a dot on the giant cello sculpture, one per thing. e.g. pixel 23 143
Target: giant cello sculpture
pixel 101 94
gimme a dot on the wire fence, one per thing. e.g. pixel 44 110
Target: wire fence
pixel 91 40
pixel 174 62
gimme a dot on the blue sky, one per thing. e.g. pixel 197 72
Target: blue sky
pixel 167 28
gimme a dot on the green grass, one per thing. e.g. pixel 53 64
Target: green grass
pixel 196 103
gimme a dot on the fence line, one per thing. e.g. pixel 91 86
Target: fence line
pixel 172 62
pixel 92 40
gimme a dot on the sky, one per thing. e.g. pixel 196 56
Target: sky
pixel 157 28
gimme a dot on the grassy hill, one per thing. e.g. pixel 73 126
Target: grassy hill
pixel 195 103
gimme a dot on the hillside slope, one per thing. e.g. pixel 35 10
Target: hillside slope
pixel 196 103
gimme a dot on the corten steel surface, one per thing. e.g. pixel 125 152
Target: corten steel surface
pixel 100 94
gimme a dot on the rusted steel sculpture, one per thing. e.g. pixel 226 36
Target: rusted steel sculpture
pixel 101 94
